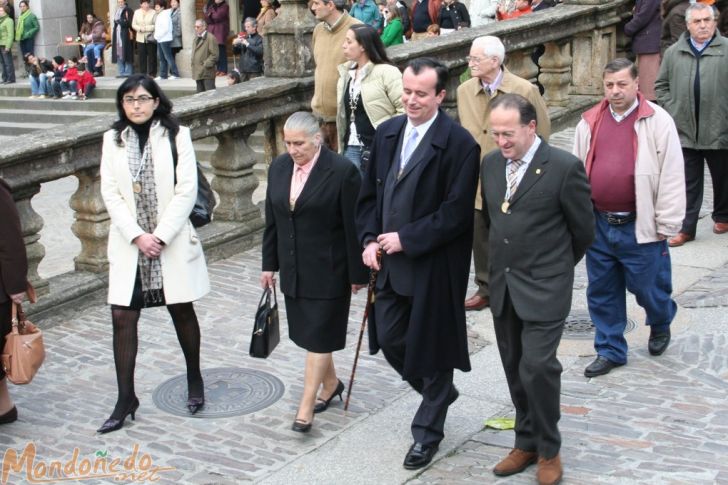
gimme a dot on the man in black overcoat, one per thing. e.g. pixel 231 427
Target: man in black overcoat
pixel 541 223
pixel 414 205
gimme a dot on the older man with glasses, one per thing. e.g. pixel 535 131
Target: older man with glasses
pixel 490 79
pixel 204 57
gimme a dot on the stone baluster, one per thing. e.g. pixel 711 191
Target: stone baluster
pixel 287 41
pixel 91 226
pixel 556 73
pixel 521 64
pixel 234 179
pixel 31 224
pixel 591 51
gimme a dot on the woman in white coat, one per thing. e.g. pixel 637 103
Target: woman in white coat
pixel 155 256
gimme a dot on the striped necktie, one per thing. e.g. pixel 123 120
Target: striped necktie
pixel 512 176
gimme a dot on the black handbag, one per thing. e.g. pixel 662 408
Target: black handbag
pixel 205 203
pixel 266 329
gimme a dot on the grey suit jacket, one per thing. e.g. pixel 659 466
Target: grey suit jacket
pixel 545 231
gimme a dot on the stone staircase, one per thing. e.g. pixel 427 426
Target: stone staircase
pixel 20 115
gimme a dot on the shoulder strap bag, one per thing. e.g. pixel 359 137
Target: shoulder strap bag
pixel 23 352
pixel 201 214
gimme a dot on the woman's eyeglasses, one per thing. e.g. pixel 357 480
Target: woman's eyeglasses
pixel 130 100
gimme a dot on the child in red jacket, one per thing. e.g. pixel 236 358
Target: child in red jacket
pixel 86 82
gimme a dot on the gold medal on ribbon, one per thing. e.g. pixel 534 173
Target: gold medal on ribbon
pixel 137 187
pixel 504 206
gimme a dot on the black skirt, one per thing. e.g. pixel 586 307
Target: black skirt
pixel 318 325
pixel 137 297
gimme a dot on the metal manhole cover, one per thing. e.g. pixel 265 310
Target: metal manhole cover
pixel 229 391
pixel 578 326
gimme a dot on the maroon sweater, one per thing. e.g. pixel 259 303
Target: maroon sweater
pixel 612 172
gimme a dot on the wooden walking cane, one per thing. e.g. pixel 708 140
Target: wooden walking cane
pixel 370 300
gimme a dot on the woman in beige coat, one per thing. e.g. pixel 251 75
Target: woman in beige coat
pixel 143 24
pixel 155 256
pixel 368 93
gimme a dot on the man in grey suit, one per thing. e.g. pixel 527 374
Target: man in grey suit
pixel 541 222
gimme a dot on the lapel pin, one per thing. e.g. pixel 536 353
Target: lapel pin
pixel 538 171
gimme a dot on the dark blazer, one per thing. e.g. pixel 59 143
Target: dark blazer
pixel 438 238
pixel 127 46
pixel 314 247
pixel 543 234
pixel 13 261
pixel 645 27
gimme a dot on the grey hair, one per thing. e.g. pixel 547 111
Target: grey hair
pixel 252 21
pixel 303 121
pixel 694 7
pixel 491 46
pixel 201 22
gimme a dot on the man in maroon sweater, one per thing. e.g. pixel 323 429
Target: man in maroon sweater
pixel 635 166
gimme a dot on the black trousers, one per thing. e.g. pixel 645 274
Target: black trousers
pixel 392 312
pixel 147 58
pixel 528 353
pixel 694 175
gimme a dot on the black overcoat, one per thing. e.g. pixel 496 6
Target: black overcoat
pixel 314 246
pixel 544 232
pixel 127 45
pixel 13 261
pixel 439 240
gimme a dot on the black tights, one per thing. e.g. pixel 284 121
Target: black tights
pixel 125 349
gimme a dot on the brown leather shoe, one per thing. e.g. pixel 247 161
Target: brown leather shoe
pixel 720 227
pixel 476 302
pixel 549 471
pixel 680 239
pixel 516 461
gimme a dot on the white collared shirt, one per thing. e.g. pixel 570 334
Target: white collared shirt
pixel 491 88
pixel 619 117
pixel 526 159
pixel 421 130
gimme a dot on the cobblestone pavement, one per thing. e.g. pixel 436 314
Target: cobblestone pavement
pixel 658 420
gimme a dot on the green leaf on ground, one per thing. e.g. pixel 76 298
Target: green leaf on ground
pixel 500 423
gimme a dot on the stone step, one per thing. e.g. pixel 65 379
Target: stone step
pixel 55 117
pixel 9 129
pixel 47 104
pixel 105 88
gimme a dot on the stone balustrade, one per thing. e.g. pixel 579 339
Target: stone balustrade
pixel 578 36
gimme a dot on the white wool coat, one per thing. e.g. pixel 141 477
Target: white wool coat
pixel 184 271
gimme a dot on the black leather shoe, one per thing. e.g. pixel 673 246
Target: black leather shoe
pixel 600 366
pixel 194 404
pixel 419 455
pixel 9 417
pixel 113 424
pixel 323 404
pixel 658 342
pixel 454 395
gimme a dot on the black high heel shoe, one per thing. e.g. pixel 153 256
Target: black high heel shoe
pixel 194 404
pixel 302 426
pixel 113 424
pixel 323 404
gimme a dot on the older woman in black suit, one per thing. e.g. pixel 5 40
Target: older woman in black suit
pixel 310 238
pixel 13 274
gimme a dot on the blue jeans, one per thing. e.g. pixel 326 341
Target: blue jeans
pixel 8 67
pixel 615 262
pixel 39 85
pixel 125 68
pixel 353 153
pixel 95 51
pixel 69 87
pixel 166 60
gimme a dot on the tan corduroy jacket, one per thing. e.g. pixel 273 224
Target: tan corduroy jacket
pixel 474 110
pixel 326 43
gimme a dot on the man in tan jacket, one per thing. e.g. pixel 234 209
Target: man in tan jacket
pixel 204 57
pixel 328 37
pixel 490 80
